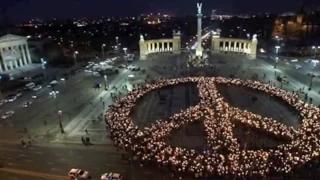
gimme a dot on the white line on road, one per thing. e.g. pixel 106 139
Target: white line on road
pixel 28 160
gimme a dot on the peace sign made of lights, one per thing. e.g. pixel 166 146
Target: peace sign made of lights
pixel 224 156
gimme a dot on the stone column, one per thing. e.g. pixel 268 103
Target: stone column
pixel 229 46
pixel 11 65
pixel 28 54
pixel 16 48
pixel 216 44
pixel 16 63
pixel 3 60
pixel 143 49
pixel 24 58
pixel 253 47
pixel 236 46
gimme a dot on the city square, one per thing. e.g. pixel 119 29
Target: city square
pixel 160 97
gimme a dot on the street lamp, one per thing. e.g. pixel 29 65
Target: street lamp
pixel 315 50
pixel 75 57
pixel 60 121
pixel 54 93
pixel 277 58
pixel 43 65
pixel 102 48
pixel 117 42
pixel 105 81
pixel 125 50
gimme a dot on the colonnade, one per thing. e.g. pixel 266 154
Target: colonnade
pixel 245 46
pixel 14 52
pixel 159 45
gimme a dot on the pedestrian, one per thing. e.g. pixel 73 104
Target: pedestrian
pixel 29 142
pixel 45 122
pixel 87 131
pixel 82 139
pixel 22 142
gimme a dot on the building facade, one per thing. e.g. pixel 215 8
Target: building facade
pixel 14 52
pixel 160 45
pixel 244 46
pixel 298 26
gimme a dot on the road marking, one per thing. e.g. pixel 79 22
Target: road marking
pixel 13 150
pixel 34 174
pixel 6 158
pixel 12 164
pixel 51 163
pixel 29 160
pixel 38 152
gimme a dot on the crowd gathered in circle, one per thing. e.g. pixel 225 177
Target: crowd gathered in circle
pixel 224 155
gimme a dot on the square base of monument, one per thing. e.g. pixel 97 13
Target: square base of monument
pixel 199 52
pixel 143 57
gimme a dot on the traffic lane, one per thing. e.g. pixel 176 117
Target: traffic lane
pixel 302 77
pixel 47 104
pixel 27 96
pixel 61 160
pixel 15 176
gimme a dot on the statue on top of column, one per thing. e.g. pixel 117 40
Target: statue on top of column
pixel 254 37
pixel 141 37
pixel 199 6
pixel 176 33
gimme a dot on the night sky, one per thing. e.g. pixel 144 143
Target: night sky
pixel 25 9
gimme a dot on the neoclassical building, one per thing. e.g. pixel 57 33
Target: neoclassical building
pixel 301 25
pixel 243 46
pixel 160 45
pixel 14 52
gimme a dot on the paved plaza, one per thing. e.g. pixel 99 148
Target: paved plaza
pixel 82 104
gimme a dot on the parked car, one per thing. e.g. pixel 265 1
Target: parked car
pixel 7 114
pixel 134 68
pixel 11 98
pixel 79 173
pixel 37 88
pixel 111 176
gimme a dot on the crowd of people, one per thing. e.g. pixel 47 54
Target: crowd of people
pixel 224 156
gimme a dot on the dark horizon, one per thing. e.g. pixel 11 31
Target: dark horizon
pixel 18 10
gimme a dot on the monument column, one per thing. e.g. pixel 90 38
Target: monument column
pixel 143 48
pixel 199 44
pixel 253 46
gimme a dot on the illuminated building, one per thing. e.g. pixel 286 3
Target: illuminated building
pixel 301 25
